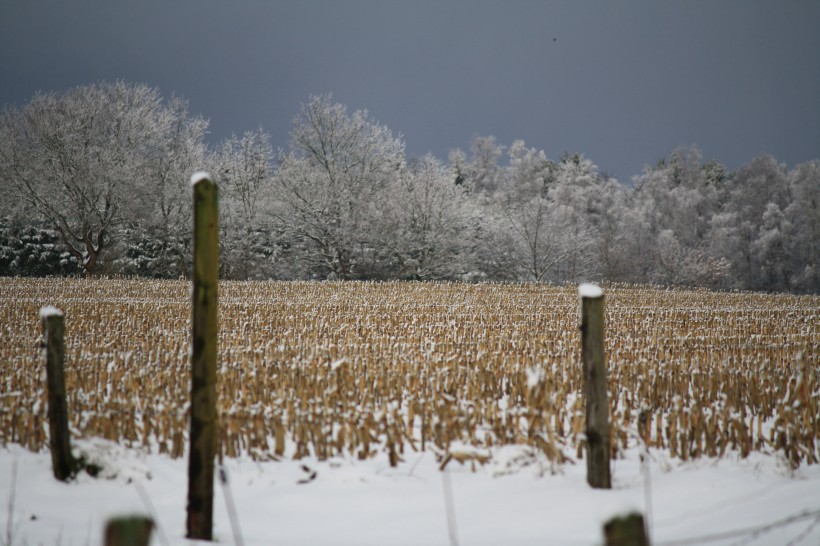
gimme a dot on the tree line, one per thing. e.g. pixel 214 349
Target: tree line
pixel 95 182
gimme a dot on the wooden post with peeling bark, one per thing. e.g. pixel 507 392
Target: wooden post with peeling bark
pixel 595 388
pixel 203 424
pixel 62 462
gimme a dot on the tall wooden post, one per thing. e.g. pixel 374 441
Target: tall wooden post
pixel 595 393
pixel 62 462
pixel 203 431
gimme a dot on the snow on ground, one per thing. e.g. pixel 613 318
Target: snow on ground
pixel 515 499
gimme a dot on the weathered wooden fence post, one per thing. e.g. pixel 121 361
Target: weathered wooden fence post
pixel 628 530
pixel 203 431
pixel 62 462
pixel 128 531
pixel 595 391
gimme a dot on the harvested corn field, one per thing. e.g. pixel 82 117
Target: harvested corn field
pixel 322 369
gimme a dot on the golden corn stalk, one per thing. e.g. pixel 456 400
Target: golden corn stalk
pixel 362 369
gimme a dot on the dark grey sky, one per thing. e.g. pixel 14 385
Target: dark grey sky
pixel 622 82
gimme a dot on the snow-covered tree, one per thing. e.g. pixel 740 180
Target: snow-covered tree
pixel 772 248
pixel 329 184
pixel 156 239
pixel 522 240
pixel 33 250
pixel 430 224
pixel 803 215
pixel 683 192
pixel 482 173
pixel 541 217
pixel 678 200
pixel 612 220
pixel 576 199
pixel 754 186
pixel 80 157
pixel 244 168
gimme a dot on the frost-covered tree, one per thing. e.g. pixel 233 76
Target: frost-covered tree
pixel 576 196
pixel 754 186
pixel 723 243
pixel 541 217
pixel 156 239
pixel 79 158
pixel 772 248
pixel 803 215
pixel 430 224
pixel 481 173
pixel 678 199
pixel 612 222
pixel 523 240
pixel 530 239
pixel 485 175
pixel 245 173
pixel 683 192
pixel 329 184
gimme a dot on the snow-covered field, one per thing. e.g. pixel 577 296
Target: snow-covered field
pixel 516 499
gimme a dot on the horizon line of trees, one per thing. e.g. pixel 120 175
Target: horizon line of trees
pixel 95 182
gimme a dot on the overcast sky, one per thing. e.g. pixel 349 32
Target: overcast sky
pixel 622 82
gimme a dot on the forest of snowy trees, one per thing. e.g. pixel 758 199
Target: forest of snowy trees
pixel 95 181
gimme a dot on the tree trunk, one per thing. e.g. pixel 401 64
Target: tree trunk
pixel 90 265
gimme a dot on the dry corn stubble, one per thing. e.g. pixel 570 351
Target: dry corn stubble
pixel 322 369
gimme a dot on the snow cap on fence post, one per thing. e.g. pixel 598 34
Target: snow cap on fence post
pixel 199 176
pixel 49 311
pixel 588 290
